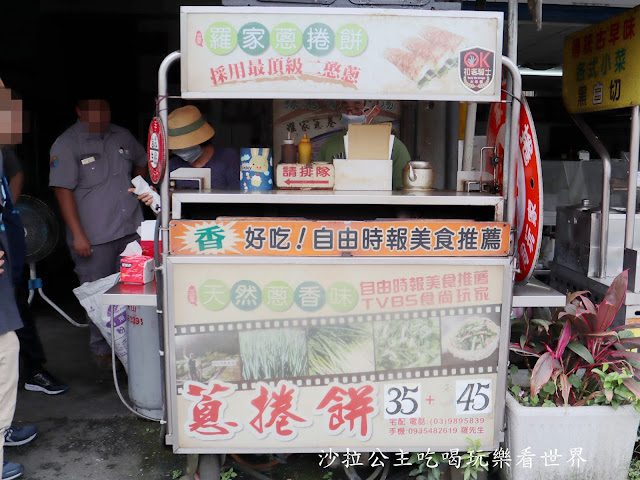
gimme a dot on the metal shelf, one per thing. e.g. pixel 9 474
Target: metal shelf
pixel 537 294
pixel 131 294
pixel 332 197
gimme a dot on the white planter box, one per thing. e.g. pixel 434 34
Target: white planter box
pixel 605 436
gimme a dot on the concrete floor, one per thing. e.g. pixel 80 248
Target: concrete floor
pixel 86 432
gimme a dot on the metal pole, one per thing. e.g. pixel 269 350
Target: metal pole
pixel 162 109
pixel 633 177
pixel 512 111
pixel 469 137
pixel 606 191
pixel 512 31
pixel 510 185
pixel 164 216
pixel 451 164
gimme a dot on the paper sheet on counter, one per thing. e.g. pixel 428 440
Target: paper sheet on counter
pixel 368 142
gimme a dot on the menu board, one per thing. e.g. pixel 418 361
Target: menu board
pixel 297 52
pixel 600 67
pixel 308 356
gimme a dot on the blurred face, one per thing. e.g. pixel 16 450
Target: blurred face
pixel 10 118
pixel 352 107
pixel 96 114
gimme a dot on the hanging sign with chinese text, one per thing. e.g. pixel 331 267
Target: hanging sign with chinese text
pixel 601 70
pixel 529 198
pixel 306 356
pixel 156 150
pixel 338 238
pixel 287 52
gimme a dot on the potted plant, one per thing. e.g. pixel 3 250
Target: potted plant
pixel 588 371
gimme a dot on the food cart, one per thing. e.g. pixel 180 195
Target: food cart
pixel 287 334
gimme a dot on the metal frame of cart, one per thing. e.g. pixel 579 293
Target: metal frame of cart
pixel 172 262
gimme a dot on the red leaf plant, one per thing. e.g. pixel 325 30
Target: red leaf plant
pixel 580 358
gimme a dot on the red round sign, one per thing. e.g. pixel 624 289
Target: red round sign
pixel 528 184
pixel 156 150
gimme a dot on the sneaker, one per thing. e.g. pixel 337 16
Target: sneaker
pixel 15 436
pixel 43 381
pixel 11 470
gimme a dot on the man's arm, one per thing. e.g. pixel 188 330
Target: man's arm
pixel 142 171
pixel 15 185
pixel 140 158
pixel 69 211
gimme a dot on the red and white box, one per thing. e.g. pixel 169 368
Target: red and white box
pixel 146 231
pixel 136 269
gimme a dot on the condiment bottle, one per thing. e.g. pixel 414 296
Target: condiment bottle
pixel 304 150
pixel 288 150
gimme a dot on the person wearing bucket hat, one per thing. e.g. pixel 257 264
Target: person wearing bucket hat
pixel 190 141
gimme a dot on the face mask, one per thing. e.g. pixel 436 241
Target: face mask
pixel 353 119
pixel 189 154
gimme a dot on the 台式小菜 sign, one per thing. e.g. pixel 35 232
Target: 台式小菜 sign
pixel 316 356
pixel 337 238
pixel 600 67
pixel 273 52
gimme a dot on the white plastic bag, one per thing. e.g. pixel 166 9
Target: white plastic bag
pixel 89 294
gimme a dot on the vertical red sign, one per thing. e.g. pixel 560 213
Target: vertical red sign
pixel 529 208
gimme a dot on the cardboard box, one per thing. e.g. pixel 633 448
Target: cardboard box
pixel 136 269
pixel 363 174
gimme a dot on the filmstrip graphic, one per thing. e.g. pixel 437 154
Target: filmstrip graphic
pixel 342 349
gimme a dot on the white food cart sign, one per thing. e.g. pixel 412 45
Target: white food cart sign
pixel 279 356
pixel 277 52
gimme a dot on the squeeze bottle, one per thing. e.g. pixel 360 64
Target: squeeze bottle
pixel 304 150
pixel 288 152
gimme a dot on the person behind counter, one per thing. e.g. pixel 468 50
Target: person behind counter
pixel 354 112
pixel 190 141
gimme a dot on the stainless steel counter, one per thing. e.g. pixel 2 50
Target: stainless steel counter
pixel 130 294
pixel 537 294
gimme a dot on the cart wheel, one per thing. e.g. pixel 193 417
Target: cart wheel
pixel 209 467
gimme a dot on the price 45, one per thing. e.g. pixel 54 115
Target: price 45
pixel 473 397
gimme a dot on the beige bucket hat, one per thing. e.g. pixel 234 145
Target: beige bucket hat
pixel 187 127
